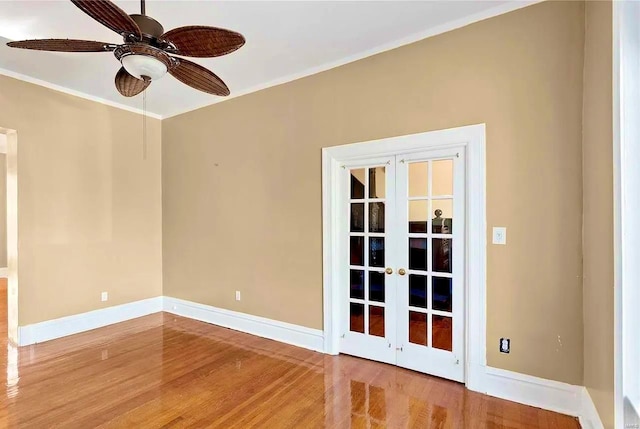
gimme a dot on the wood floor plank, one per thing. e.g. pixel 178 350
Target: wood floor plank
pixel 164 371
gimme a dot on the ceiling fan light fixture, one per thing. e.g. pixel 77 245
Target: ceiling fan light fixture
pixel 143 66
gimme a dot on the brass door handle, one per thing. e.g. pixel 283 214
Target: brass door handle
pixel 402 272
pixel 389 271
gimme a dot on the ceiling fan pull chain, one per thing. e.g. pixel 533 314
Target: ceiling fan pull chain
pixel 144 125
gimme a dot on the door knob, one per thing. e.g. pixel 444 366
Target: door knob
pixel 402 272
pixel 389 271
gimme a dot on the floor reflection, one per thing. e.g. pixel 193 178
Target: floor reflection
pixel 163 371
pixel 383 396
pixel 631 416
pixel 13 375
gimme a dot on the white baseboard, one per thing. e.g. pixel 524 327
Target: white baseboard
pixel 589 417
pixel 4 272
pixel 296 335
pixel 538 392
pixel 57 328
pixel 534 391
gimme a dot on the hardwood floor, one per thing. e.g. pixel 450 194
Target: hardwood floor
pixel 164 371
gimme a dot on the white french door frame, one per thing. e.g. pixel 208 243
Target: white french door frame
pixel 471 139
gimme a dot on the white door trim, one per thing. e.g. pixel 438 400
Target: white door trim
pixel 472 138
pixel 617 96
pixel 626 134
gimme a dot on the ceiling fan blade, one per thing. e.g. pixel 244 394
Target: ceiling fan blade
pixel 201 41
pixel 128 85
pixel 109 15
pixel 63 45
pixel 198 77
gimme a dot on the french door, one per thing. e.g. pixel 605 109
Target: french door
pixel 404 237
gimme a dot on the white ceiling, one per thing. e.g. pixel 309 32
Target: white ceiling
pixel 285 41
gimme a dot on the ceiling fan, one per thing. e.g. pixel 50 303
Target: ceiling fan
pixel 145 53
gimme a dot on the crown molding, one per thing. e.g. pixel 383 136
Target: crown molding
pixel 84 95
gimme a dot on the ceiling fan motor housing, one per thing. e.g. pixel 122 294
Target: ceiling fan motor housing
pixel 149 27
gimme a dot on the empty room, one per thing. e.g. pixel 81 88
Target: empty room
pixel 319 214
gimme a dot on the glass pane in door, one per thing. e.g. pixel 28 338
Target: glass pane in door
pixel 357 284
pixel 442 177
pixel 357 217
pixel 418 328
pixel 376 286
pixel 441 293
pixel 357 250
pixel 357 184
pixel 441 255
pixel 418 179
pixel 418 216
pixel 376 252
pixel 418 254
pixel 417 291
pixel 356 313
pixel 377 182
pixel 442 222
pixel 376 321
pixel 376 217
pixel 441 336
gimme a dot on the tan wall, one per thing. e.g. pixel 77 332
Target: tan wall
pixel 3 210
pixel 89 205
pixel 598 209
pixel 242 179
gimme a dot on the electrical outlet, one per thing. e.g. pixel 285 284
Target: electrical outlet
pixel 104 296
pixel 505 345
pixel 499 235
pixel 237 295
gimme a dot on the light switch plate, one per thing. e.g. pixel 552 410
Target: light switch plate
pixel 499 235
